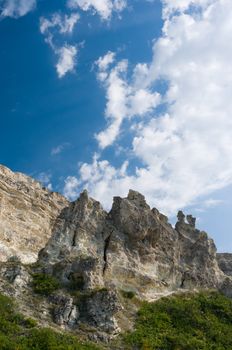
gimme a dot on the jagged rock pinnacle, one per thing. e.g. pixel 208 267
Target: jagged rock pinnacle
pixel 131 248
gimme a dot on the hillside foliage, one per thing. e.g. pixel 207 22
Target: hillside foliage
pixel 19 333
pixel 184 322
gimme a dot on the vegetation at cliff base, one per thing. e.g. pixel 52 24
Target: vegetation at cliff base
pixel 184 322
pixel 19 333
pixel 44 284
pixel 128 294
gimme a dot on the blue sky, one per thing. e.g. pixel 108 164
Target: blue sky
pixel 114 94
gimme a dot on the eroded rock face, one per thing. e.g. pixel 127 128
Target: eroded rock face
pixel 141 254
pixel 197 256
pixel 225 263
pixel 17 275
pixel 133 247
pixel 98 254
pixel 65 312
pixel 27 214
pixel 226 287
pixel 76 248
pixel 100 309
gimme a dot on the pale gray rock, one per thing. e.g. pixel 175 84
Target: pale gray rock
pixel 197 256
pixel 101 308
pixel 65 312
pixel 226 287
pixel 76 248
pixel 225 263
pixel 141 254
pixel 27 215
pixel 96 254
pixel 133 247
pixel 16 275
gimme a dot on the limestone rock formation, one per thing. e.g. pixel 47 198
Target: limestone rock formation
pixel 133 247
pixel 76 247
pixel 225 262
pixel 65 312
pixel 27 215
pixel 97 256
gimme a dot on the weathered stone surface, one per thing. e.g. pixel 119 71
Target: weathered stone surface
pixel 226 287
pixel 17 275
pixel 197 256
pixel 225 263
pixel 133 247
pixel 141 254
pixel 27 215
pixel 76 248
pixel 100 309
pixel 65 312
pixel 98 254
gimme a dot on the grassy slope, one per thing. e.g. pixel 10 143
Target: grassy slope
pixel 185 322
pixel 19 333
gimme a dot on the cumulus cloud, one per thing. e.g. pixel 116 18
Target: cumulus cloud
pixel 210 203
pixel 71 187
pixel 65 24
pixel 171 6
pixel 104 62
pixel 67 53
pixel 16 8
pixel 103 7
pixel 124 100
pixel 67 60
pixel 45 179
pixel 184 152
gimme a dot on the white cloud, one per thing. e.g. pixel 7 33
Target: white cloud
pixel 60 148
pixel 104 62
pixel 124 100
pixel 211 203
pixel 45 179
pixel 65 24
pixel 67 60
pixel 103 7
pixel 67 53
pixel 71 188
pixel 16 8
pixel 170 6
pixel 184 153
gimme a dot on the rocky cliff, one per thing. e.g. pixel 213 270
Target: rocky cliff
pixel 98 256
pixel 133 247
pixel 27 214
pixel 225 263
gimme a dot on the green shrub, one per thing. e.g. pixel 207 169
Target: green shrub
pixel 47 339
pixel 30 323
pixel 128 294
pixel 185 322
pixel 19 333
pixel 44 284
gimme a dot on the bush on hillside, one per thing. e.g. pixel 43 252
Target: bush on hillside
pixel 184 322
pixel 19 333
pixel 44 284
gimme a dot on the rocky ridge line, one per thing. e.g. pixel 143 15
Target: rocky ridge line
pixel 27 214
pixel 96 255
